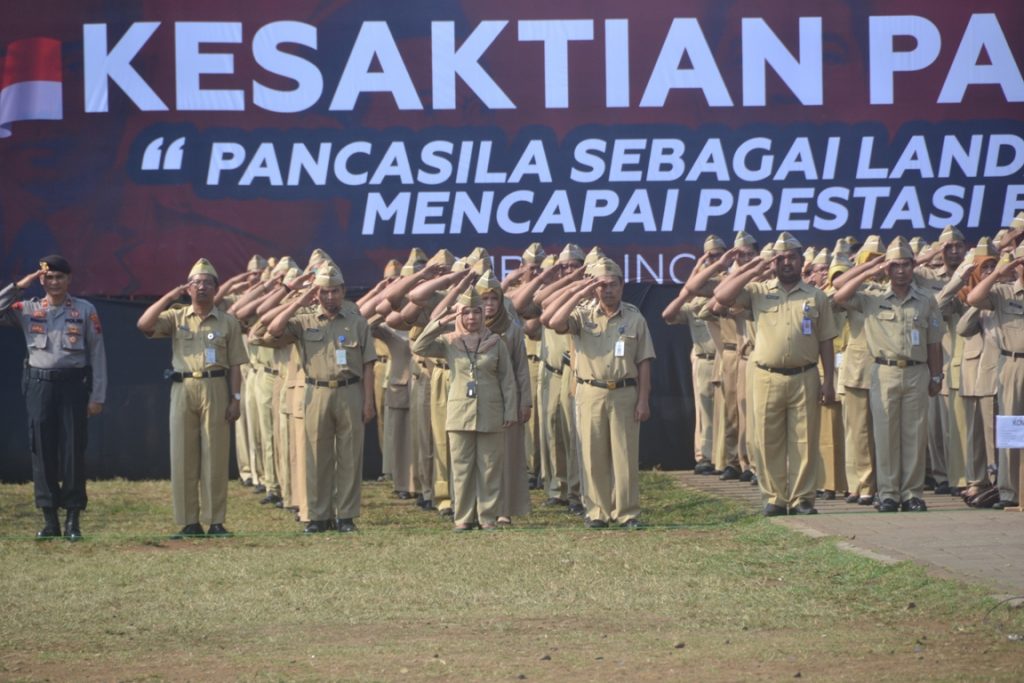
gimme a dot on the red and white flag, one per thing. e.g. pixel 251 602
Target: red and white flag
pixel 31 83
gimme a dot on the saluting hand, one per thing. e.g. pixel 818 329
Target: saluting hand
pixel 26 282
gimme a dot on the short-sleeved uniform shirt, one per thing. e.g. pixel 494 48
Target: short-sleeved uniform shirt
pixel 790 324
pixel 598 337
pixel 699 333
pixel 332 348
pixel 898 329
pixel 200 344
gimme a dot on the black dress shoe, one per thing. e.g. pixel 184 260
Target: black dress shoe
pixel 247 482
pixel 554 502
pixel 828 495
pixel 754 481
pixel 913 505
pixel 942 488
pixel 344 525
pixel 271 499
pixel 730 473
pixel 71 530
pixel 631 524
pixel 703 467
pixel 865 500
pixel 279 504
pixel 746 475
pixel 259 488
pixel 929 483
pixel 595 524
pixel 804 507
pixel 773 511
pixel 446 512
pixel 428 505
pixel 315 527
pixel 51 525
pixel 888 505
pixel 576 508
pixel 190 530
pixel 955 491
pixel 852 499
pixel 217 530
pixel 998 505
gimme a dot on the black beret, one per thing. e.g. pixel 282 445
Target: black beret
pixel 56 263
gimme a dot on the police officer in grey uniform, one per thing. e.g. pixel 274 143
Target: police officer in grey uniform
pixel 65 381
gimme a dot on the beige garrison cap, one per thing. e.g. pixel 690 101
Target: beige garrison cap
pixel 786 242
pixel 470 299
pixel 593 256
pixel 392 268
pixel 604 267
pixel 329 276
pixel 488 283
pixel 714 243
pixel 571 252
pixel 203 267
pixel 534 254
pixel 950 234
pixel 744 239
pixel 899 249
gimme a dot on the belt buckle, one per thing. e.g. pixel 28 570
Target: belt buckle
pixel 196 374
pixel 901 364
pixel 612 384
pixel 332 384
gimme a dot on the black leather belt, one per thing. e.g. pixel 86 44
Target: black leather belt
pixel 705 356
pixel 549 368
pixel 898 363
pixel 1012 354
pixel 787 371
pixel 271 371
pixel 612 384
pixel 333 383
pixel 532 356
pixel 182 376
pixel 58 374
pixel 729 347
pixel 566 359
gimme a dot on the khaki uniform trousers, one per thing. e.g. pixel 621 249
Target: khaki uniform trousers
pixel 704 400
pixel 440 380
pixel 743 431
pixel 753 445
pixel 398 439
pixel 610 441
pixel 979 414
pixel 283 445
pixel 858 433
pixel 787 425
pixel 380 381
pixel 553 436
pixel 268 406
pixel 832 447
pixel 242 455
pixel 1011 402
pixel 956 451
pixel 533 460
pixel 476 475
pixel 938 431
pixel 727 416
pixel 423 441
pixel 334 459
pixel 252 410
pixel 199 440
pixel 574 478
pixel 297 448
pixel 899 402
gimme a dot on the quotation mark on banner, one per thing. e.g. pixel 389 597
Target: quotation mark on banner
pixel 156 159
pixel 31 83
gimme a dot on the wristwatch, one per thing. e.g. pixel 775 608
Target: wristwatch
pixel 937 379
pixel 238 397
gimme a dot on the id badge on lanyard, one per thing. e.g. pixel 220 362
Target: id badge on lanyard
pixel 209 352
pixel 341 354
pixel 806 326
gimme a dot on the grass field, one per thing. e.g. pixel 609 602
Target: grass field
pixel 707 592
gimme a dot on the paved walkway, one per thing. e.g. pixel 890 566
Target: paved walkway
pixel 951 540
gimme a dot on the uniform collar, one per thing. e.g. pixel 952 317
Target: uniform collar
pixel 774 283
pixel 600 311
pixel 215 312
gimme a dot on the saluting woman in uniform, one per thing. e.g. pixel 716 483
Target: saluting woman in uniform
pixel 482 403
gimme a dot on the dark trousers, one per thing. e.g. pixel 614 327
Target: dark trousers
pixel 57 437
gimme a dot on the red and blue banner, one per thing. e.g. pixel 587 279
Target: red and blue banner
pixel 136 137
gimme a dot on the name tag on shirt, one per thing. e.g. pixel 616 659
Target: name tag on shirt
pixel 620 349
pixel 807 328
pixel 210 355
pixel 341 356
pixel 915 337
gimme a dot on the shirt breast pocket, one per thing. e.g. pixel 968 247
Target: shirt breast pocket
pixel 767 313
pixel 1012 314
pixel 38 341
pixel 312 335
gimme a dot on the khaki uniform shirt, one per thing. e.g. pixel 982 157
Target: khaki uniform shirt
pixel 201 344
pixel 495 400
pixel 1007 300
pixel 332 348
pixel 784 339
pixel 598 336
pixel 899 329
pixel 699 332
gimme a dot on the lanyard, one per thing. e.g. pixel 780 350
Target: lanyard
pixel 472 358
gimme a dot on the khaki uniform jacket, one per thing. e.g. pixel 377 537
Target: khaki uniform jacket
pixel 779 316
pixel 699 332
pixel 191 336
pixel 321 337
pixel 979 375
pixel 1007 301
pixel 892 326
pixel 496 399
pixel 596 336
